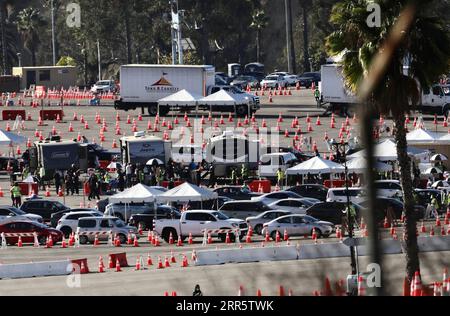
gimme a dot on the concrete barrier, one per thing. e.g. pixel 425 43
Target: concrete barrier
pixel 387 247
pixel 328 250
pixel 122 257
pixel 35 269
pixel 436 243
pixel 237 255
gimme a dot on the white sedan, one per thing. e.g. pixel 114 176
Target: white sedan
pixel 272 197
pixel 294 205
pixel 274 81
pixel 69 222
pixel 257 222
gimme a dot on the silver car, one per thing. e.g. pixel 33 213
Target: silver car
pixel 257 222
pixel 88 227
pixel 298 225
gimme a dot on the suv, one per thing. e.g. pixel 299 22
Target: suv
pixel 236 192
pixel 104 86
pixel 13 213
pixel 54 219
pixel 243 209
pixel 356 195
pixel 331 211
pixel 104 225
pixel 125 211
pixel 315 191
pixel 44 208
pixel 145 219
pixel 69 222
pixel 306 79
pixel 388 188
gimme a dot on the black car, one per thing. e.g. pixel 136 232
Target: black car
pixel 306 79
pixel 146 219
pixel 382 204
pixel 55 217
pixel 316 191
pixel 243 209
pixel 235 193
pixel 424 196
pixel 243 81
pixel 45 208
pixel 330 211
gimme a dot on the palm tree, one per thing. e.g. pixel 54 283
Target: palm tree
pixel 426 44
pixel 5 5
pixel 259 22
pixel 29 23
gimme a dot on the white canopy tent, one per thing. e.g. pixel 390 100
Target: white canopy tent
pixel 358 165
pixel 137 194
pixel 7 138
pixel 187 192
pixel 182 97
pixel 421 136
pixel 223 97
pixel 387 151
pixel 316 165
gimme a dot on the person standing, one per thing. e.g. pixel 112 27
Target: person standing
pixel 317 96
pixel 68 183
pixel 192 171
pixel 92 186
pixel 57 178
pixel 128 173
pixel 16 195
pixel 244 172
pixel 121 180
pixel 280 177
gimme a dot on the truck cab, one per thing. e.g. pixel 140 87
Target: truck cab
pixel 436 100
pixel 270 163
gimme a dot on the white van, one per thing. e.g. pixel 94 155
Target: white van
pixel 185 153
pixel 269 163
pixel 356 195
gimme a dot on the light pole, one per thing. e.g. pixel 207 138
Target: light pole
pixel 53 31
pixel 339 148
pixel 99 61
pixel 19 57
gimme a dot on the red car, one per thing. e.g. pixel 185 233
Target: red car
pixel 29 227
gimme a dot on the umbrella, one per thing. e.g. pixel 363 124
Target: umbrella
pixel 432 170
pixel 154 161
pixel 114 165
pixel 438 157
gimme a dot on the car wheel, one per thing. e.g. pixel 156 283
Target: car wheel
pixel 258 229
pixel 42 240
pixel 273 234
pixel 318 233
pixel 84 240
pixel 122 238
pixel 66 231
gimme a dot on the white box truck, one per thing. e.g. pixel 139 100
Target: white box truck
pixel 333 91
pixel 140 148
pixel 141 86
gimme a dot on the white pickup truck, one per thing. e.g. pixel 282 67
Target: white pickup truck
pixel 196 221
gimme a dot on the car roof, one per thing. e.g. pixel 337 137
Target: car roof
pixel 242 201
pixel 200 211
pixel 387 181
pixel 343 189
pixel 98 218
pixel 82 212
pixel 294 199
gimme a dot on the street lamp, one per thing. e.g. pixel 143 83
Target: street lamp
pixel 340 149
pixel 19 56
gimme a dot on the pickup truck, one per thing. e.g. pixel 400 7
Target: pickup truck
pixel 196 221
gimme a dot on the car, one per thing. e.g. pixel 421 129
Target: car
pixel 145 219
pixel 382 204
pixel 355 195
pixel 104 86
pixel 331 211
pixel 242 82
pixel 243 209
pixel 274 82
pixel 236 192
pixel 224 77
pixel 44 208
pixel 221 200
pixel 440 184
pixel 424 196
pixel 103 226
pixel 13 213
pixel 125 211
pixel 306 79
pixel 296 206
pixel 69 221
pixel 270 163
pixel 388 188
pixel 275 196
pixel 316 191
pixel 256 222
pixel 291 79
pixel 55 217
pixel 29 227
pixel 195 222
pixel 297 225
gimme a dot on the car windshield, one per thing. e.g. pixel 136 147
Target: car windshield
pixel 102 83
pixel 220 215
pixel 119 222
pixel 236 90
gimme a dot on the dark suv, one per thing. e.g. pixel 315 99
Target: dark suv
pixel 45 208
pixel 145 219
pixel 243 209
pixel 315 191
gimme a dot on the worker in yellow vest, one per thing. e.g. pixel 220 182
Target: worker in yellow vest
pixel 16 195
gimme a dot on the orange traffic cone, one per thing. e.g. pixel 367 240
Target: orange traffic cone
pixel 96 242
pixel 138 264
pixel 179 241
pixel 101 266
pixel 118 269
pixel 285 235
pixel 361 286
pixel 19 242
pixel 190 240
pixel 184 263
pixel 135 242
pixel 166 262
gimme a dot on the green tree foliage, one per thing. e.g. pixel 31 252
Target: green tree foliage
pixel 29 24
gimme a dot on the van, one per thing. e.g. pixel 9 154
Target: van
pixel 356 195
pixel 270 163
pixel 88 227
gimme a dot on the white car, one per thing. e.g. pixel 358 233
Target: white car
pixel 104 86
pixel 296 206
pixel 13 213
pixel 257 222
pixel 274 81
pixel 389 188
pixel 272 197
pixel 291 80
pixel 356 195
pixel 69 222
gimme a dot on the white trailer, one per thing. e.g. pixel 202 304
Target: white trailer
pixel 143 85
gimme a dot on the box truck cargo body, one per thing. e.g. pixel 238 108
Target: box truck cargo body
pixel 143 85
